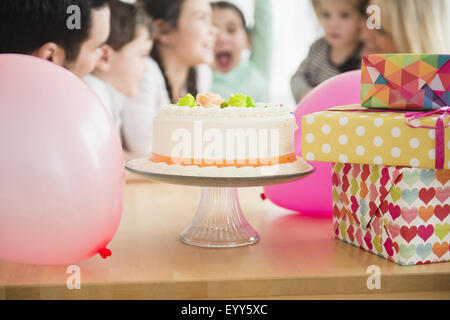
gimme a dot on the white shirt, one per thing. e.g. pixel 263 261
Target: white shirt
pixel 140 111
pixel 111 98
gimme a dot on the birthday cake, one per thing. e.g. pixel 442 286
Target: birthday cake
pixel 208 136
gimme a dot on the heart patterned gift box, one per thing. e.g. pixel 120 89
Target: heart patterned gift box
pixel 405 81
pixel 399 213
pixel 391 183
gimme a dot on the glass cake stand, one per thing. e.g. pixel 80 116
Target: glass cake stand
pixel 219 221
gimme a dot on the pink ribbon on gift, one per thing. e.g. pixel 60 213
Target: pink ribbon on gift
pixel 440 130
pixel 411 116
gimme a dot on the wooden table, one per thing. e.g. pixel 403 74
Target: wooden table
pixel 297 258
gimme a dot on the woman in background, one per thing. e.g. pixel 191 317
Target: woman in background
pixel 410 26
pixel 184 39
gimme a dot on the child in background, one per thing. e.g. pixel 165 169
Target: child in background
pixel 123 61
pixel 184 44
pixel 233 74
pixel 340 50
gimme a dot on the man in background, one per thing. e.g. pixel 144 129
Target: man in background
pixel 42 28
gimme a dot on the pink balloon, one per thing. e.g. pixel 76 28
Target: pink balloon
pixel 313 194
pixel 61 173
pixel 337 91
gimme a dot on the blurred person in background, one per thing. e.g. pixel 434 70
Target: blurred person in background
pixel 410 26
pixel 39 28
pixel 339 51
pixel 123 60
pixel 233 72
pixel 184 39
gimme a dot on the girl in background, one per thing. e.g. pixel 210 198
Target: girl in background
pixel 339 51
pixel 184 39
pixel 250 76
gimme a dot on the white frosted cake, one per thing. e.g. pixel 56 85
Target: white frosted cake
pixel 208 136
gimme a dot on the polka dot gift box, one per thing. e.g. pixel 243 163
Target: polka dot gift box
pixel 391 183
pixel 355 134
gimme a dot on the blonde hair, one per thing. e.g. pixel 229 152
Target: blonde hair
pixel 417 26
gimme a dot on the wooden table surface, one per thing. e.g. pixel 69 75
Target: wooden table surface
pixel 296 258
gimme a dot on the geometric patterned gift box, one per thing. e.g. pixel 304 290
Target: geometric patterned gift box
pixel 405 81
pixel 399 213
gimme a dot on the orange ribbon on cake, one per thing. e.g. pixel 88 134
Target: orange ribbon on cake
pixel 221 163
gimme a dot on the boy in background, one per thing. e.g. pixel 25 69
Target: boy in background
pixel 39 28
pixel 122 63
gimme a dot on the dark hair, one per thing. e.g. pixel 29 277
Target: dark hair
pixel 360 5
pixel 125 19
pixel 26 25
pixel 169 11
pixel 229 5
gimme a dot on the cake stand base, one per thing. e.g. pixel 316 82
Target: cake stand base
pixel 219 221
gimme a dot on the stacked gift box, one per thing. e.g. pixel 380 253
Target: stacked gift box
pixel 391 155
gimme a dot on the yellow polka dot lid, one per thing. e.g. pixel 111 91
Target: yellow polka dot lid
pixel 355 134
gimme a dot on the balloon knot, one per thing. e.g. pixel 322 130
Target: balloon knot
pixel 104 253
pixel 263 196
